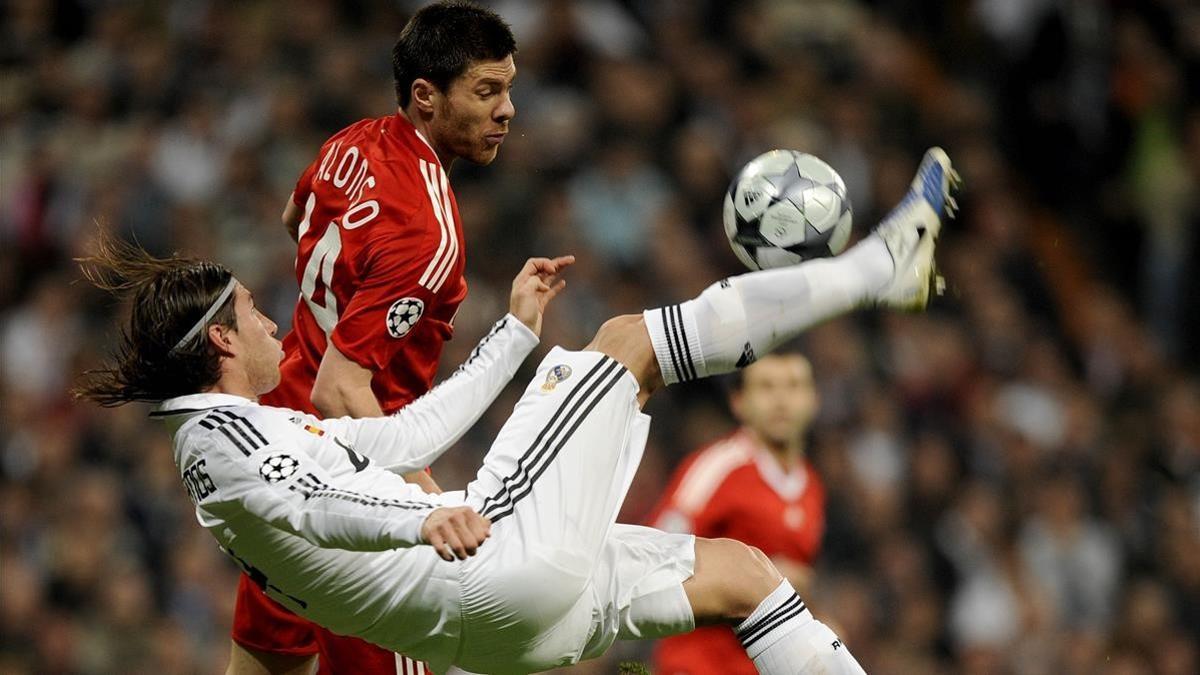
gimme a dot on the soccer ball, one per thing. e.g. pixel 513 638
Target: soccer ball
pixel 785 207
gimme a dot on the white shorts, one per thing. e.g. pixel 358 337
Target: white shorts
pixel 559 581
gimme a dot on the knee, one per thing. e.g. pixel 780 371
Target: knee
pixel 625 339
pixel 618 330
pixel 754 577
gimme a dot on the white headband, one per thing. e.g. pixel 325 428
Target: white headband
pixel 191 334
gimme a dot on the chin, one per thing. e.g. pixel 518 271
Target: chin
pixel 485 157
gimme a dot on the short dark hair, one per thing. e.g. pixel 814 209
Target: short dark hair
pixel 169 296
pixel 736 381
pixel 441 40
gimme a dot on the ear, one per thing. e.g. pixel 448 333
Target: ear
pixel 218 337
pixel 423 93
pixel 735 405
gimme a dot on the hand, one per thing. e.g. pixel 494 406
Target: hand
pixel 535 286
pixel 455 531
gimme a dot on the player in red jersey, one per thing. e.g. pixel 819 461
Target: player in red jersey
pixel 754 486
pixel 380 266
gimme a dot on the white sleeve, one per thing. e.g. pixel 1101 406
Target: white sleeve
pixel 289 490
pixel 421 431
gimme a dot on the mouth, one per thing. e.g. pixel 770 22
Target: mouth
pixel 496 138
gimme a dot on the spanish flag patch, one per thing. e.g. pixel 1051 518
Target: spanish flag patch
pixel 315 431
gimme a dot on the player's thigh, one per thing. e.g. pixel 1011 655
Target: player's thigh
pixel 626 340
pixel 244 661
pixel 729 582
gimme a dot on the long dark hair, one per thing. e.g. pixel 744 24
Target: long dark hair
pixel 169 296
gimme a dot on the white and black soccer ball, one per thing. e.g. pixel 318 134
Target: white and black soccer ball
pixel 786 207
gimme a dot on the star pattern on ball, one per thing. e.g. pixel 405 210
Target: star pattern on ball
pixel 403 315
pixel 278 467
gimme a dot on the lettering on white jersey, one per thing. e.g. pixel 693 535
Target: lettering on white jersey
pixel 197 482
pixel 447 251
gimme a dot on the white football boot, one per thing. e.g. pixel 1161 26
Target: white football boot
pixel 910 233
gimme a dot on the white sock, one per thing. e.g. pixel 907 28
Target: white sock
pixel 735 320
pixel 781 636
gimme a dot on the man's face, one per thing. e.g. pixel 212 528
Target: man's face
pixel 254 343
pixel 470 118
pixel 777 399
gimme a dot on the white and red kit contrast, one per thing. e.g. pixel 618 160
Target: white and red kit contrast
pixel 380 266
pixel 735 488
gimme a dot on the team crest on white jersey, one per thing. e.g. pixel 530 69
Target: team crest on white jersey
pixel 557 374
pixel 403 315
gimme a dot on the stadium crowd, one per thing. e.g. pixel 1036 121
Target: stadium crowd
pixel 1013 478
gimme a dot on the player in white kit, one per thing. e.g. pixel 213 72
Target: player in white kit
pixel 526 569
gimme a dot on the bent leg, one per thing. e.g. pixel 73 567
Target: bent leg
pixel 738 585
pixel 552 484
pixel 626 340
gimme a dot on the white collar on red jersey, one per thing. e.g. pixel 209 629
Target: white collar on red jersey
pixel 788 485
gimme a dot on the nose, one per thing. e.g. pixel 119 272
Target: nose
pixel 272 329
pixel 506 110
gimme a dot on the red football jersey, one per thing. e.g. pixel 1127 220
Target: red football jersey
pixel 734 488
pixel 380 263
pixel 380 266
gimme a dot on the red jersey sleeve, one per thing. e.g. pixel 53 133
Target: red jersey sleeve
pixel 304 185
pixel 387 303
pixel 809 538
pixel 688 506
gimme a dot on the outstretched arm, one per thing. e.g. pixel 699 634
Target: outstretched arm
pixel 420 432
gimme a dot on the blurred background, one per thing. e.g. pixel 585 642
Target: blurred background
pixel 1013 478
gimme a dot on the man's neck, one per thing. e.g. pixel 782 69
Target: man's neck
pixel 234 386
pixel 788 455
pixel 422 127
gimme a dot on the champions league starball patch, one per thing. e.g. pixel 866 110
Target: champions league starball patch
pixel 557 374
pixel 403 315
pixel 278 467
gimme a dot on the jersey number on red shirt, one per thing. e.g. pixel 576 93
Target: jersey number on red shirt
pixel 352 176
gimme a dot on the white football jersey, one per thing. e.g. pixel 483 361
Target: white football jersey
pixel 315 510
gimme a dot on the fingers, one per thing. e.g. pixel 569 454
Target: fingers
pixel 543 266
pixel 456 533
pixel 552 291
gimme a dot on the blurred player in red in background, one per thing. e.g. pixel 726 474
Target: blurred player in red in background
pixel 755 486
pixel 380 265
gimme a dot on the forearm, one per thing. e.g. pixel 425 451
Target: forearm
pixel 345 399
pixel 421 431
pixel 357 400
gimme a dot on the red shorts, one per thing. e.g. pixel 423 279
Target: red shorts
pixel 708 650
pixel 261 624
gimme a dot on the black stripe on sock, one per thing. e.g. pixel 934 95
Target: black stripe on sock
pixel 671 345
pixel 505 483
pixel 567 437
pixel 691 365
pixel 778 620
pixel 775 624
pixel 530 467
pixel 673 331
pixel 749 631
